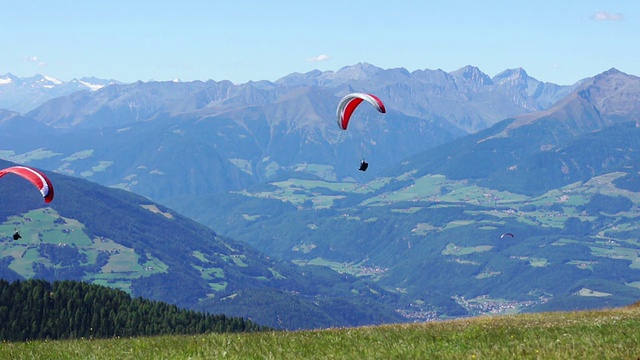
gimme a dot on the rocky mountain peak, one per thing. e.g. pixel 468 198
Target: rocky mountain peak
pixel 358 71
pixel 472 74
pixel 511 75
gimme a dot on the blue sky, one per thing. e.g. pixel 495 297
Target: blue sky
pixel 559 41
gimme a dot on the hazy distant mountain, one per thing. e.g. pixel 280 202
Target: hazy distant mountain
pixel 455 97
pixel 467 98
pixel 255 131
pixel 530 93
pixel 230 136
pixel 24 94
pixel 506 150
pixel 6 115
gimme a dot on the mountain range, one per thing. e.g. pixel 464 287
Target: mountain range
pixel 23 94
pixel 459 159
pixel 239 135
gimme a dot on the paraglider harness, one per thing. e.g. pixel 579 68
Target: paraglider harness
pixel 16 235
pixel 363 165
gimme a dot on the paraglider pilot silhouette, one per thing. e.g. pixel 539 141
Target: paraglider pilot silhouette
pixel 16 235
pixel 363 165
pixel 348 105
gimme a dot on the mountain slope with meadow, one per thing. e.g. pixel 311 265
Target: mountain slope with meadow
pixel 115 238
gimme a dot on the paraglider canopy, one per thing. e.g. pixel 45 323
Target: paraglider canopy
pixel 363 165
pixel 506 234
pixel 349 103
pixel 35 177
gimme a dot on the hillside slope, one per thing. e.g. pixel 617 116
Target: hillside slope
pixel 116 238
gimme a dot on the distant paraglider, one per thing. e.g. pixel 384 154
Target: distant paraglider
pixel 35 177
pixel 506 234
pixel 348 105
pixel 16 235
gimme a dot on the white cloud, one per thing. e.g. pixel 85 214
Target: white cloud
pixel 607 16
pixel 319 58
pixel 35 59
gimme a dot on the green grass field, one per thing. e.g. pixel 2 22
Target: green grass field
pixel 604 334
pixel 36 154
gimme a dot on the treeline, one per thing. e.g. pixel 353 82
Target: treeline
pixel 37 309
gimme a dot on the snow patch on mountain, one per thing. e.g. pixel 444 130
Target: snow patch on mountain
pixel 92 87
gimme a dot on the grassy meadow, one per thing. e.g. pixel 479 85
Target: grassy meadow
pixel 603 334
pixel 43 226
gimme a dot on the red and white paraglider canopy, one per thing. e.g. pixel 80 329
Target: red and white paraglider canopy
pixel 349 103
pixel 35 177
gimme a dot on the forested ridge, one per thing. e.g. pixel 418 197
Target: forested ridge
pixel 37 309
